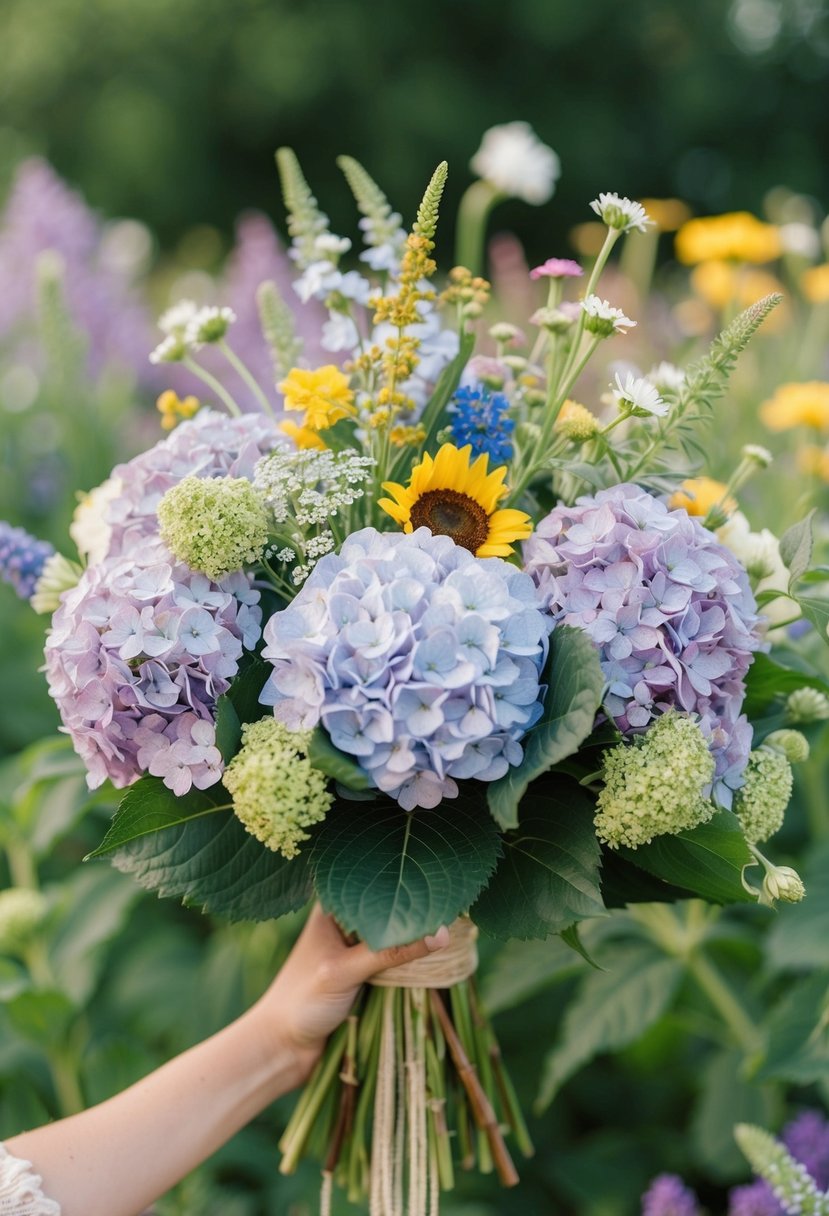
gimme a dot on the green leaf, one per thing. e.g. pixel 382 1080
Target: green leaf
pixel 209 861
pixel 800 932
pixel 613 1009
pixel 95 905
pixel 42 1016
pixel 548 876
pixel 817 611
pixel 623 884
pixel 341 436
pixel 523 969
pixel 725 1099
pixel 150 806
pixel 432 418
pixel 392 876
pixel 228 728
pixel 244 692
pixel 575 686
pixel 796 547
pixel 708 860
pixel 798 1044
pixel 330 760
pixel 768 678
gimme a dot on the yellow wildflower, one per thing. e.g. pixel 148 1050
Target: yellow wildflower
pixel 737 235
pixel 173 408
pixel 668 214
pixel 302 436
pixel 323 393
pixel 576 422
pixel 699 494
pixel 814 461
pixel 402 436
pixel 815 283
pixel 453 495
pixel 804 404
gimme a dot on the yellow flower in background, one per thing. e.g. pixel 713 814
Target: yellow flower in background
pixel 722 284
pixel 814 461
pixel 699 494
pixel 302 436
pixel 576 422
pixel 453 496
pixel 668 214
pixel 173 408
pixel 804 404
pixel 814 283
pixel 323 393
pixel 737 235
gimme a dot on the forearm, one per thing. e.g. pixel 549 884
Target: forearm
pixel 118 1157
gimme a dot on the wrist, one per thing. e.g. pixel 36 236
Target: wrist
pixel 286 1062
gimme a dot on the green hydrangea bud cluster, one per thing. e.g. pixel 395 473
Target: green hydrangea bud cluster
pixel 277 793
pixel 793 1186
pixel 215 525
pixel 806 705
pixel 791 743
pixel 762 801
pixel 654 785
pixel 22 912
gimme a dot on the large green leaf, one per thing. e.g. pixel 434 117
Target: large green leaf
pixel 798 1044
pixel 613 1008
pixel 548 876
pixel 330 760
pixel 817 612
pixel 575 684
pixel 150 806
pixel 392 876
pixel 768 678
pixel 707 860
pixel 796 547
pixel 726 1098
pixel 209 861
pixel 523 969
pixel 800 932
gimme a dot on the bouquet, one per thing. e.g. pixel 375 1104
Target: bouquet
pixel 429 640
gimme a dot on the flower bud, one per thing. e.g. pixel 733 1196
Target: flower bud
pixel 793 745
pixel 806 705
pixel 784 883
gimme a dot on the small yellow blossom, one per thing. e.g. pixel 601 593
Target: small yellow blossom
pixel 699 494
pixel 302 436
pixel 797 404
pixel 323 393
pixel 403 436
pixel 576 422
pixel 814 461
pixel 173 408
pixel 722 284
pixel 814 283
pixel 737 235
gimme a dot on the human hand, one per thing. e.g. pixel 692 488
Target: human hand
pixel 317 985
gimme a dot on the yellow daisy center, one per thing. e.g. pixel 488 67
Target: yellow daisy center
pixel 449 513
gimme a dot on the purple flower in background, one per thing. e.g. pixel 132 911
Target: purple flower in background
pixel 755 1199
pixel 668 607
pixel 668 1195
pixel 420 660
pixel 209 445
pixel 137 656
pixel 42 213
pixel 22 558
pixel 807 1139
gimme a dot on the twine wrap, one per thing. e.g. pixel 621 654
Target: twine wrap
pixel 455 963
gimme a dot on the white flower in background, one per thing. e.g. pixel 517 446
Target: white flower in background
pixel 800 239
pixel 355 287
pixel 759 455
pixel 210 324
pixel 636 395
pixel 516 163
pixel 603 319
pixel 339 333
pixel 176 319
pixel 327 245
pixel 171 349
pixel 759 553
pixel 317 281
pixel 89 528
pixel 667 377
pixel 621 213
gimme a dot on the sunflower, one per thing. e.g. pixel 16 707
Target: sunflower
pixel 451 496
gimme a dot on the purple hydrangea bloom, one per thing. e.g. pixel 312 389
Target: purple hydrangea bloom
pixel 420 660
pixel 209 445
pixel 755 1199
pixel 43 213
pixel 22 558
pixel 669 608
pixel 668 1195
pixel 136 658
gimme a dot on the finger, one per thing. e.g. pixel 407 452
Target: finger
pixel 362 962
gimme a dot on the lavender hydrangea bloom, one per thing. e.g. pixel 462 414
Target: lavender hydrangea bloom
pixel 668 1195
pixel 41 214
pixel 22 558
pixel 209 445
pixel 136 658
pixel 669 608
pixel 420 660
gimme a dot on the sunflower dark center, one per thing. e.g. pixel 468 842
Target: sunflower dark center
pixel 450 513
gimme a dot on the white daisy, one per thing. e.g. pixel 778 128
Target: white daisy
pixel 209 324
pixel 602 318
pixel 622 213
pixel 176 319
pixel 636 395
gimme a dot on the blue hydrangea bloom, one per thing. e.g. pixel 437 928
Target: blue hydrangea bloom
pixel 669 608
pixel 479 418
pixel 420 661
pixel 22 558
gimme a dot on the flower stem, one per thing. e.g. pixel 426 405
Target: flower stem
pixel 244 371
pixel 212 383
pixel 721 996
pixel 474 209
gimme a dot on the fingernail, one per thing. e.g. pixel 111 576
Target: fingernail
pixel 436 941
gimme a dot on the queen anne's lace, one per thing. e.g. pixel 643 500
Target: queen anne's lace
pixel 21 1191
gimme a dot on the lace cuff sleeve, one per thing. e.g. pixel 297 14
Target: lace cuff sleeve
pixel 20 1189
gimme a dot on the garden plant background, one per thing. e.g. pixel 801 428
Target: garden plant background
pixel 163 118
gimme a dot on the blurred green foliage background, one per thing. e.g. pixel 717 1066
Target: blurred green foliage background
pixel 170 112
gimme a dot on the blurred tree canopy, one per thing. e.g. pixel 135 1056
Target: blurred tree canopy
pixel 171 111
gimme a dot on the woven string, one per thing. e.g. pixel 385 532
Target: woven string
pixel 451 965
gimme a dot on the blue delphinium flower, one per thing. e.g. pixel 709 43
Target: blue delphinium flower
pixel 420 660
pixel 479 418
pixel 22 558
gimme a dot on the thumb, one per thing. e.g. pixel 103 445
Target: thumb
pixel 363 962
